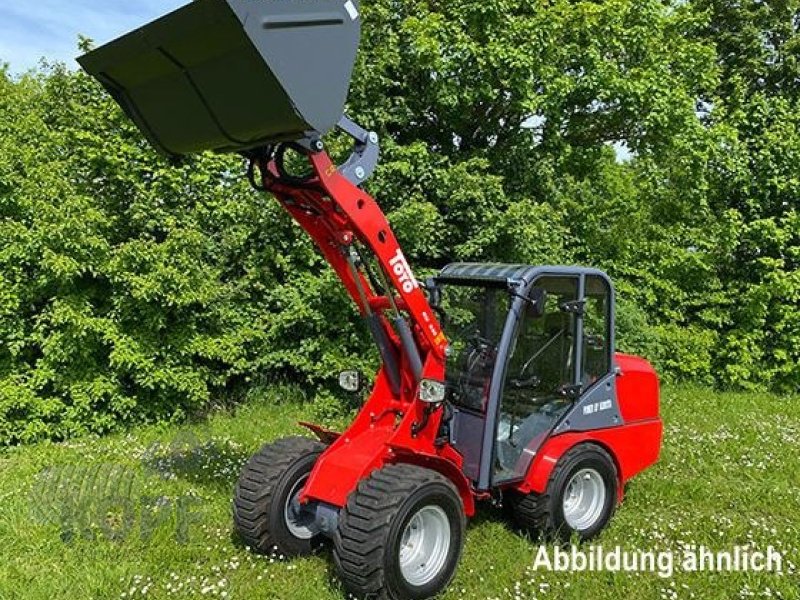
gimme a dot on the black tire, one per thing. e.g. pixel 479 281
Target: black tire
pixel 371 527
pixel 262 493
pixel 543 514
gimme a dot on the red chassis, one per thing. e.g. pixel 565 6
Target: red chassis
pixel 337 214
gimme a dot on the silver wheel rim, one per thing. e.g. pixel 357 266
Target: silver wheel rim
pixel 584 499
pixel 297 522
pixel 424 545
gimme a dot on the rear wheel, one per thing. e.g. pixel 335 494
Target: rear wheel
pixel 266 508
pixel 400 535
pixel 580 498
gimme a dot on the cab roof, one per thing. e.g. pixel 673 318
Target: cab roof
pixel 509 274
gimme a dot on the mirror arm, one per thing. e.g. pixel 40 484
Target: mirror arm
pixel 516 294
pixel 527 299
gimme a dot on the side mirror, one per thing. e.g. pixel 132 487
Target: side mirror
pixel 435 300
pixel 434 293
pixel 537 301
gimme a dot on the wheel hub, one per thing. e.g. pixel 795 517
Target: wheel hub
pixel 584 499
pixel 424 545
pixel 298 521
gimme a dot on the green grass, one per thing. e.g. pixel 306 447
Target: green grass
pixel 729 474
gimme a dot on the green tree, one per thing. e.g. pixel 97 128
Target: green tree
pixel 656 140
pixel 132 289
pixel 755 185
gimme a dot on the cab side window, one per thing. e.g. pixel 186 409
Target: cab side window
pixel 596 331
pixel 543 358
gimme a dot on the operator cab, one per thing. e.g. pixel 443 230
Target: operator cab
pixel 530 347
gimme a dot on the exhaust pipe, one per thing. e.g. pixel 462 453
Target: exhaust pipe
pixel 231 75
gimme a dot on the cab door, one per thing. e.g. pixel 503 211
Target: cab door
pixel 542 376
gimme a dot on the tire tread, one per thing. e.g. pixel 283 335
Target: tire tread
pixel 364 523
pixel 254 490
pixel 534 512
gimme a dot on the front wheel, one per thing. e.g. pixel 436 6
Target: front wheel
pixel 400 535
pixel 266 508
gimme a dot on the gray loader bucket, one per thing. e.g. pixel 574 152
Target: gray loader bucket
pixel 229 75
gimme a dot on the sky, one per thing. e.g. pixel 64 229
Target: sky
pixel 32 29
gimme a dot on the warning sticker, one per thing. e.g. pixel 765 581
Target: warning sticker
pixel 351 9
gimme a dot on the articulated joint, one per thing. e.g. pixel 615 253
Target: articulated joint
pixel 366 152
pixel 324 517
pixel 362 161
pixel 357 168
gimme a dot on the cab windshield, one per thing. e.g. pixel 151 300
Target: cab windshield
pixel 473 318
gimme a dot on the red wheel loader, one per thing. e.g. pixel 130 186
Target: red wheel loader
pixel 497 382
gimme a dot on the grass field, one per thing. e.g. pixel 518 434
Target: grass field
pixel 729 475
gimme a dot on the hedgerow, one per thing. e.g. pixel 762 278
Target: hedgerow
pixel 621 134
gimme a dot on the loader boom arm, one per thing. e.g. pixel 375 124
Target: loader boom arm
pixel 258 78
pixel 344 221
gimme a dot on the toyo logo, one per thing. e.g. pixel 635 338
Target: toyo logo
pixel 403 273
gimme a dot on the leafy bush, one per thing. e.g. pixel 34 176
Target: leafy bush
pixel 134 290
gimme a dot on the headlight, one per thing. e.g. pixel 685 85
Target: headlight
pixel 351 381
pixel 431 391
